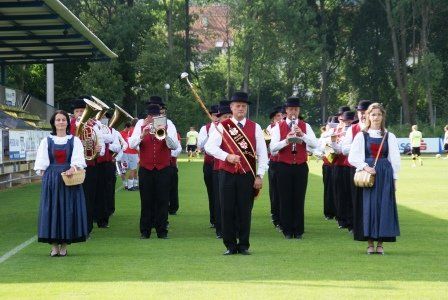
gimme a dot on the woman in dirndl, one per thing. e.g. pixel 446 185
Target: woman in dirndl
pixel 380 208
pixel 62 214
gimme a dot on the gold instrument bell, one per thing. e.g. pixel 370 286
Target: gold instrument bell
pixel 85 131
pixel 104 108
pixel 267 136
pixel 119 117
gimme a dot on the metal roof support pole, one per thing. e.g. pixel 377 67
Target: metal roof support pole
pixel 3 75
pixel 50 87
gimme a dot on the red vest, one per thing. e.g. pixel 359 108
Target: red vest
pixel 355 129
pixel 73 126
pixel 107 157
pixel 249 131
pixel 154 154
pixel 285 155
pixel 208 159
pixel 126 135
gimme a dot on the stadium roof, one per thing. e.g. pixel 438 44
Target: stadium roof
pixel 34 31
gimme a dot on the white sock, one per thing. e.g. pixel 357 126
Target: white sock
pixel 129 183
pixel 135 182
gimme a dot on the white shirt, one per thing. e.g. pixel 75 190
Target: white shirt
pixel 213 146
pixel 348 139
pixel 171 135
pixel 43 161
pixel 357 157
pixel 203 137
pixel 309 138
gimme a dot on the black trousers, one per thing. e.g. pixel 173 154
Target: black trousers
pixel 236 194
pixel 207 170
pixel 357 208
pixel 343 196
pixel 217 203
pixel 329 203
pixel 90 187
pixel 292 181
pixel 273 193
pixel 174 190
pixel 114 184
pixel 154 196
pixel 105 193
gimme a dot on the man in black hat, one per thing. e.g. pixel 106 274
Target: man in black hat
pixel 90 184
pixel 154 172
pixel 174 189
pixel 357 202
pixel 292 139
pixel 236 143
pixel 342 181
pixel 207 168
pixel 276 117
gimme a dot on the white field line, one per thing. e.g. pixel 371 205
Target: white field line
pixel 25 244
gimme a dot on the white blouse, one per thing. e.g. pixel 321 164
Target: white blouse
pixel 43 161
pixel 357 157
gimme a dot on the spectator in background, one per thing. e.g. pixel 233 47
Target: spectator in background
pixel 415 138
pixel 445 141
pixel 192 142
pixel 130 158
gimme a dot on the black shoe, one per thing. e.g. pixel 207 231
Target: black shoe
pixel 144 236
pixel 230 252
pixel 298 236
pixel 288 236
pixel 172 213
pixel 103 225
pixel 212 225
pixel 244 252
pixel 162 236
pixel 219 236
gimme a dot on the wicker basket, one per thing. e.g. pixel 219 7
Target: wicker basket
pixel 77 177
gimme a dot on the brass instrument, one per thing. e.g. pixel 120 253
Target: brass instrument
pixel 85 131
pixel 119 117
pixel 104 108
pixel 267 136
pixel 159 133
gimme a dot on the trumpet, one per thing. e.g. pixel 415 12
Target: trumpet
pixel 157 127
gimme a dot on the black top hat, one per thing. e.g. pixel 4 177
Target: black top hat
pixel 78 103
pixel 224 108
pixel 213 109
pixel 275 111
pixel 348 116
pixel 240 97
pixel 363 104
pixel 293 101
pixel 153 109
pixel 156 100
pixel 342 109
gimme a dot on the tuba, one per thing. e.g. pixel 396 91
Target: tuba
pixel 104 108
pixel 85 131
pixel 119 117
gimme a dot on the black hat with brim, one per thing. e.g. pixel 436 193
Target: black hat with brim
pixel 213 109
pixel 363 105
pixel 240 97
pixel 78 103
pixel 348 116
pixel 293 101
pixel 156 100
pixel 153 109
pixel 342 110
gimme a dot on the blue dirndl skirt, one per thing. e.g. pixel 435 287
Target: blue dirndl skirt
pixel 380 207
pixel 62 214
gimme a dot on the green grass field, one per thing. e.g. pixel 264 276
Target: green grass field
pixel 327 263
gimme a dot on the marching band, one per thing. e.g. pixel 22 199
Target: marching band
pixel 237 153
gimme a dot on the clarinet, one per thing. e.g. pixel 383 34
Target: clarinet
pixel 294 146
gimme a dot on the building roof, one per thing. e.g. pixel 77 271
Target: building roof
pixel 38 31
pixel 212 26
